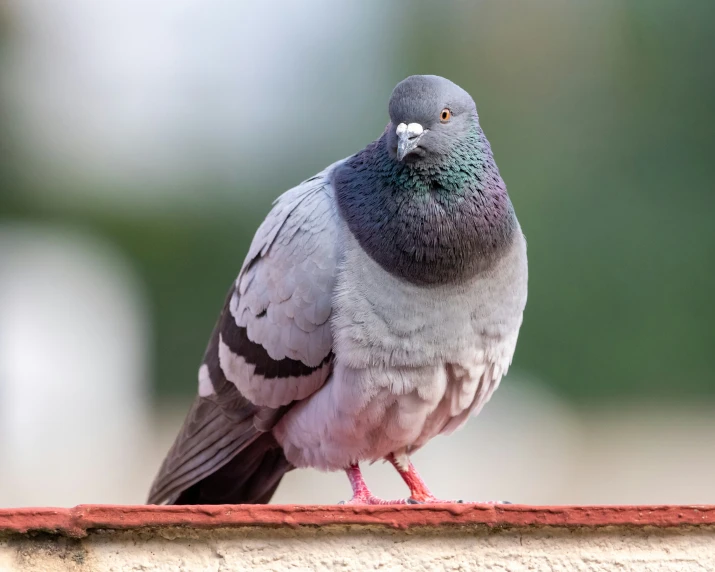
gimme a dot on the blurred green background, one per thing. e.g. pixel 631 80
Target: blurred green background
pixel 601 117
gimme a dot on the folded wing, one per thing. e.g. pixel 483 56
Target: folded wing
pixel 271 347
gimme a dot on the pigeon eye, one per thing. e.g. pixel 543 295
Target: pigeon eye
pixel 445 115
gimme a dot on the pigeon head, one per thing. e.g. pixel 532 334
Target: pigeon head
pixel 429 116
pixel 426 200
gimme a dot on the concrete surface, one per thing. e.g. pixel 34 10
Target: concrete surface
pixel 366 548
pixel 441 537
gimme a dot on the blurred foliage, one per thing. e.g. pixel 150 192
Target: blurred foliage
pixel 601 117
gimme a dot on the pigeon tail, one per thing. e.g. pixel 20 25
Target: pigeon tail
pixel 251 477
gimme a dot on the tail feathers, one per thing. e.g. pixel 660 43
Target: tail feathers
pixel 250 477
pixel 207 441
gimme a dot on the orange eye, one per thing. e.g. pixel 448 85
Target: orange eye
pixel 445 115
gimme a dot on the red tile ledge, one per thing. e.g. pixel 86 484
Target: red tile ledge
pixel 79 520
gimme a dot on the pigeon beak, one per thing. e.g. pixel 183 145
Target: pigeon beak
pixel 408 136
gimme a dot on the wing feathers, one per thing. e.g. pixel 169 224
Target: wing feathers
pixel 237 340
pixel 271 346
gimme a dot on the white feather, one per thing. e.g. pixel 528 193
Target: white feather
pixel 206 388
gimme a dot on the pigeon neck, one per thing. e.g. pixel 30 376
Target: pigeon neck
pixel 427 223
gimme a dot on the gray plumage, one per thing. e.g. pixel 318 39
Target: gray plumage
pixel 379 306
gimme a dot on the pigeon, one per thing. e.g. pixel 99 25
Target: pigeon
pixel 378 307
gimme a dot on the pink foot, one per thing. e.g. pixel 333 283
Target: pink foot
pixel 419 492
pixel 362 495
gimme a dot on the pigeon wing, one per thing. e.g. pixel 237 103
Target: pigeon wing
pixel 271 347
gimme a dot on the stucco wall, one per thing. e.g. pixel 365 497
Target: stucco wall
pixel 385 540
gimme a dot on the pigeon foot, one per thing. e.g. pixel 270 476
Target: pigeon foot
pixel 362 495
pixel 419 493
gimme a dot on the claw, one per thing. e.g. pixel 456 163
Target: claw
pixel 370 500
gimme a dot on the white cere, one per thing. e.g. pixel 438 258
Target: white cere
pixel 414 129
